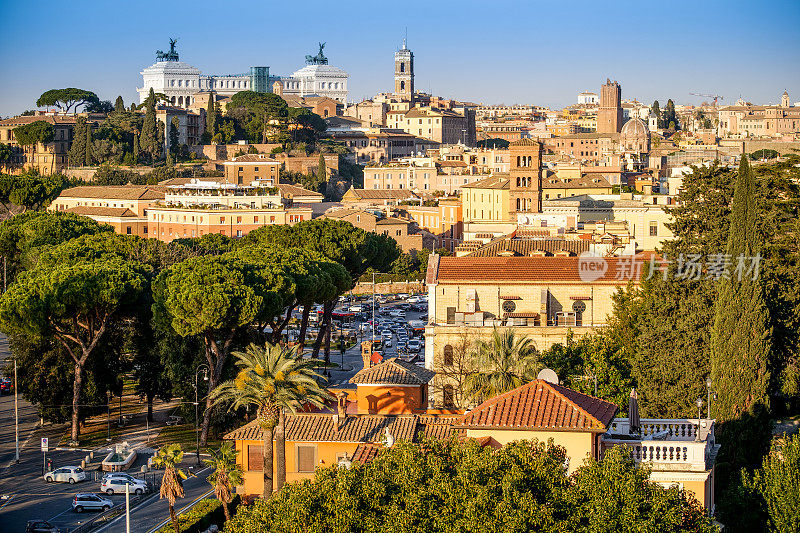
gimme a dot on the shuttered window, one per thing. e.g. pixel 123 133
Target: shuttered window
pixel 305 458
pixel 255 460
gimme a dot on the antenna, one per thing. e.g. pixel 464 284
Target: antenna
pixel 548 375
pixel 405 38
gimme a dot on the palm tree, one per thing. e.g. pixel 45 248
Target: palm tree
pixel 226 475
pixel 169 457
pixel 506 361
pixel 272 379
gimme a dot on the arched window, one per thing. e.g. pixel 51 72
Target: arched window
pixel 447 355
pixel 402 67
pixel 402 86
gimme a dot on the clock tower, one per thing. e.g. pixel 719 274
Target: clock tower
pixel 404 73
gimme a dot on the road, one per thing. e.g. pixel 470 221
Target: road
pixel 27 414
pixel 155 510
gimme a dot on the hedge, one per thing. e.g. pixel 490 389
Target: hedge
pixel 201 516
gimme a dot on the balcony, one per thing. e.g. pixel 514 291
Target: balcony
pixel 667 444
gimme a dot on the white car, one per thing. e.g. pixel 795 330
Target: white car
pixel 414 346
pixel 116 485
pixel 119 475
pixel 68 474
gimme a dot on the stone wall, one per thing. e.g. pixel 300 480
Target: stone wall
pixel 394 287
pixel 734 146
pixel 228 151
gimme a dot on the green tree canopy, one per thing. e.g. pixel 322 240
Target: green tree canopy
pixel 34 133
pixel 776 485
pixel 66 99
pixel 74 303
pixel 24 237
pixel 454 486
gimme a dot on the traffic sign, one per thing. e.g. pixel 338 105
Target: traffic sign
pixel 45 445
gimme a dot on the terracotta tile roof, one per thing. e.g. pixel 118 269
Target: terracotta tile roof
pixel 584 182
pixel 102 211
pixel 293 190
pixel 382 194
pixel 437 427
pixel 526 246
pixel 544 405
pixel 366 453
pixel 393 371
pixel 392 221
pixel 534 269
pixel 525 142
pixel 321 427
pixel 498 181
pixel 251 158
pixel 120 192
pixel 346 212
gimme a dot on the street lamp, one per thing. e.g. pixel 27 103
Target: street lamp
pixel 196 409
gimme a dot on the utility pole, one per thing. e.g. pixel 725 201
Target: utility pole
pixel 16 413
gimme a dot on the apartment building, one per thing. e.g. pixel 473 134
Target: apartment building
pixel 444 221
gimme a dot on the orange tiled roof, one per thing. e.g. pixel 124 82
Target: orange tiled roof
pixel 393 371
pixel 115 192
pixel 122 212
pixel 532 269
pixel 541 405
pixel 294 190
pixel 322 427
pixel 382 194
pixel 366 453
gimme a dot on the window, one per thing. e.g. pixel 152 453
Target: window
pixel 451 315
pixel 305 458
pixel 128 230
pixel 447 354
pixel 255 460
pixel 654 229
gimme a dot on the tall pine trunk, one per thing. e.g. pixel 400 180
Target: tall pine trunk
pixel 280 451
pixel 303 327
pixel 77 385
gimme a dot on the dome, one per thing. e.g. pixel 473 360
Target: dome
pixel 635 129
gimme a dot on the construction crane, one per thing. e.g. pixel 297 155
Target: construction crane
pixel 714 96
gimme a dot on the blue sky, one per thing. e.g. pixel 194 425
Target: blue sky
pixel 538 52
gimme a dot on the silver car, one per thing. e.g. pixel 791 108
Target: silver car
pixel 116 485
pixel 86 501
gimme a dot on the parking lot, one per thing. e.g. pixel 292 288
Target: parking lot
pixel 399 323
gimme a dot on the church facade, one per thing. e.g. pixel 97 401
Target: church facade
pixel 181 82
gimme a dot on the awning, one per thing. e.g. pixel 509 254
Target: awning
pixel 521 315
pixel 580 297
pixel 510 298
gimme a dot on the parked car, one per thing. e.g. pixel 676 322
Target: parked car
pixel 66 474
pixel 86 501
pixel 414 346
pixel 6 385
pixel 117 485
pixel 41 526
pixel 119 475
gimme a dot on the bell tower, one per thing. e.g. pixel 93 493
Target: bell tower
pixel 609 114
pixel 525 175
pixel 404 73
pixel 785 99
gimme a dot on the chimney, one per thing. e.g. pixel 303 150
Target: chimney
pixel 341 409
pixel 366 353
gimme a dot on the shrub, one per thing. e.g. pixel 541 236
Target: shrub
pixel 201 516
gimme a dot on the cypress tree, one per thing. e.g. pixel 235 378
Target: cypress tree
pixel 160 139
pixel 211 115
pixel 119 105
pixel 322 174
pixel 656 109
pixel 135 148
pixel 741 339
pixel 741 349
pixel 88 151
pixel 149 139
pixel 174 137
pixel 77 152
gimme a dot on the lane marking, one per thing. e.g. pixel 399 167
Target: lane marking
pixel 8 501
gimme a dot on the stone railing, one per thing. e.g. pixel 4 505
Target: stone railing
pixel 676 428
pixel 672 442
